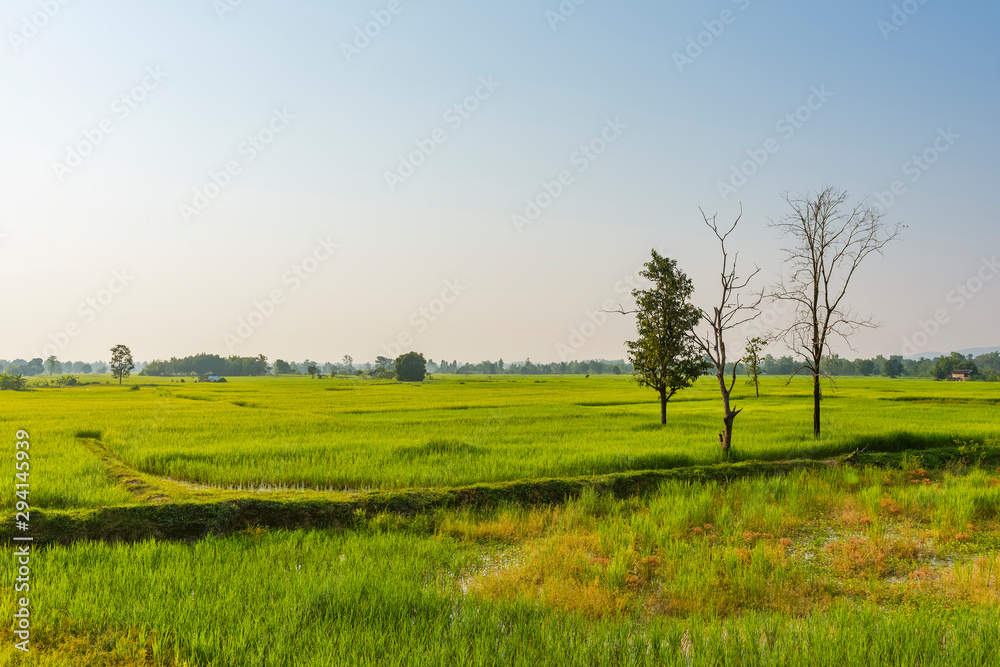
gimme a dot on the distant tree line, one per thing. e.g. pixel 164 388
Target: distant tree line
pixel 592 367
pixel 384 368
pixel 984 366
pixel 200 364
pixel 52 366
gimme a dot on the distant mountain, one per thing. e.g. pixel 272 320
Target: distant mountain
pixel 974 351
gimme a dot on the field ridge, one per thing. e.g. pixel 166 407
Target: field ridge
pixel 192 520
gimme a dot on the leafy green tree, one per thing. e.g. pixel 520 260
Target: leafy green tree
pixel 865 367
pixel 665 356
pixel 52 365
pixel 385 368
pixel 282 367
pixel 259 367
pixel 879 363
pixel 348 362
pixel 121 362
pixel 752 360
pixel 411 367
pixel 893 367
pixel 989 362
pixel 312 371
pixel 955 361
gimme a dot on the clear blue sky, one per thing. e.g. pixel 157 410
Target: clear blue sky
pixel 199 80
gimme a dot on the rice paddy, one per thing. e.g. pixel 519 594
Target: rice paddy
pixel 352 435
pixel 828 564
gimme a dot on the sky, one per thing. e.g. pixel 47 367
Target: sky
pixel 476 180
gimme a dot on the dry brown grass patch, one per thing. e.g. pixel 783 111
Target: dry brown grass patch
pixel 851 513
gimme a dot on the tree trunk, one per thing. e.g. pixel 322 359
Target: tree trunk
pixel 816 399
pixel 663 407
pixel 756 386
pixel 726 437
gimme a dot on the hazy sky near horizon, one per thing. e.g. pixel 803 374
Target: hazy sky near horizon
pixel 262 177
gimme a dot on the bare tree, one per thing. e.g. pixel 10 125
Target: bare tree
pixel 730 313
pixel 828 242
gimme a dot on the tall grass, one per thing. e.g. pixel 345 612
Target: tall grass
pixel 351 434
pixel 390 598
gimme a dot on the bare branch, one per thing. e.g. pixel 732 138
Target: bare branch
pixel 730 312
pixel 829 242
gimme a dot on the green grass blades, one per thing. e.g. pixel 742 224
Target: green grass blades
pixel 349 434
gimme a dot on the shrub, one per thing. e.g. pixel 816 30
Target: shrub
pixel 13 382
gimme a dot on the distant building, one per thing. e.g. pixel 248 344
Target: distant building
pixel 211 377
pixel 960 375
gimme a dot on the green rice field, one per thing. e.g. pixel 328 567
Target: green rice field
pixel 351 435
pixel 879 543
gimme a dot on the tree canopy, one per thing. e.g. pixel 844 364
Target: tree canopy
pixel 200 364
pixel 665 355
pixel 411 367
pixel 121 362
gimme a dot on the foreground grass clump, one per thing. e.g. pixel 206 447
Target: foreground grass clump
pixel 267 434
pixel 620 543
pixel 819 566
pixel 402 592
pixel 790 544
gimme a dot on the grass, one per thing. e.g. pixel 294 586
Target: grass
pixel 807 568
pixel 516 521
pixel 790 544
pixel 356 435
